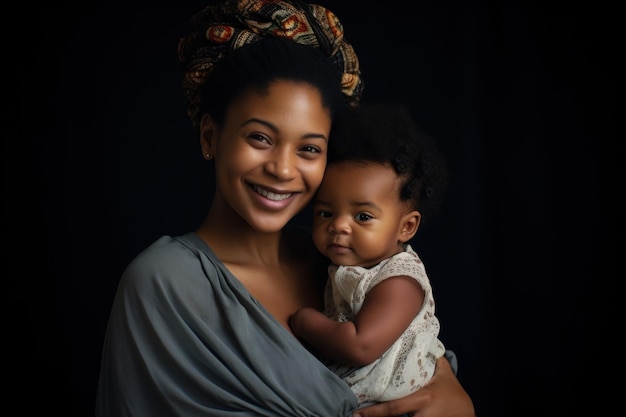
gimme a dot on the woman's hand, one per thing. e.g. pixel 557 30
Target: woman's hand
pixel 442 396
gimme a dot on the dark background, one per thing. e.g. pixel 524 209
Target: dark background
pixel 99 160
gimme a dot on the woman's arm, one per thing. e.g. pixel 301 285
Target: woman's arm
pixel 442 396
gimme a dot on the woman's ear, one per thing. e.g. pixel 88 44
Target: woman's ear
pixel 208 130
pixel 409 225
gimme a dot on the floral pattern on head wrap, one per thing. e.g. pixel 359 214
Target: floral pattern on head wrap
pixel 217 30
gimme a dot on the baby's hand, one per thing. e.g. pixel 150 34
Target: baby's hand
pixel 301 316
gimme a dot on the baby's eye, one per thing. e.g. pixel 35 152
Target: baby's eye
pixel 324 214
pixel 363 217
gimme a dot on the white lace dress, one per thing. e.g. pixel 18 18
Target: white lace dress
pixel 410 362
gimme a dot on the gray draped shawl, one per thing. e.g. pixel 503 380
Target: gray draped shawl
pixel 185 338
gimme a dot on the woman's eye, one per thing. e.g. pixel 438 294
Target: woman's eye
pixel 310 148
pixel 258 137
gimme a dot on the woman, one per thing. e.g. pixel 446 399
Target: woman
pixel 199 325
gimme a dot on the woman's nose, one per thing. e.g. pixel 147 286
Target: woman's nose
pixel 282 164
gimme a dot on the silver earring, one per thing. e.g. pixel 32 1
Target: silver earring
pixel 208 155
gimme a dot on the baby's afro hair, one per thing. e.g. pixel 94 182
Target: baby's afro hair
pixel 386 133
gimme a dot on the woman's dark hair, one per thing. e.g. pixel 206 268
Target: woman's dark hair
pixel 385 133
pixel 255 66
pixel 235 46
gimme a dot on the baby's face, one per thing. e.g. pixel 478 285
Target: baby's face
pixel 357 213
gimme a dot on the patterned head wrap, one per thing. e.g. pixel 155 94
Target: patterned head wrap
pixel 217 30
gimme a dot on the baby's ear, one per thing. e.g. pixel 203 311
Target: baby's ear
pixel 409 225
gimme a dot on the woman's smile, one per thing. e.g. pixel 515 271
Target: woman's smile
pixel 271 199
pixel 271 195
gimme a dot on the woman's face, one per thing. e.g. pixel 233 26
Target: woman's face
pixel 270 154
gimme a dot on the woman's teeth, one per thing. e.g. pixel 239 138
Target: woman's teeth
pixel 270 195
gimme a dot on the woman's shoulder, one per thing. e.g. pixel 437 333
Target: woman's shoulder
pixel 167 259
pixel 161 253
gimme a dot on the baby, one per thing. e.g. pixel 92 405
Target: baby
pixel 378 331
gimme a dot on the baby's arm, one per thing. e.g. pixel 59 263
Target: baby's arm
pixel 387 311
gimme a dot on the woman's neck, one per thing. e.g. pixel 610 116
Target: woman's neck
pixel 234 241
pixel 281 270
